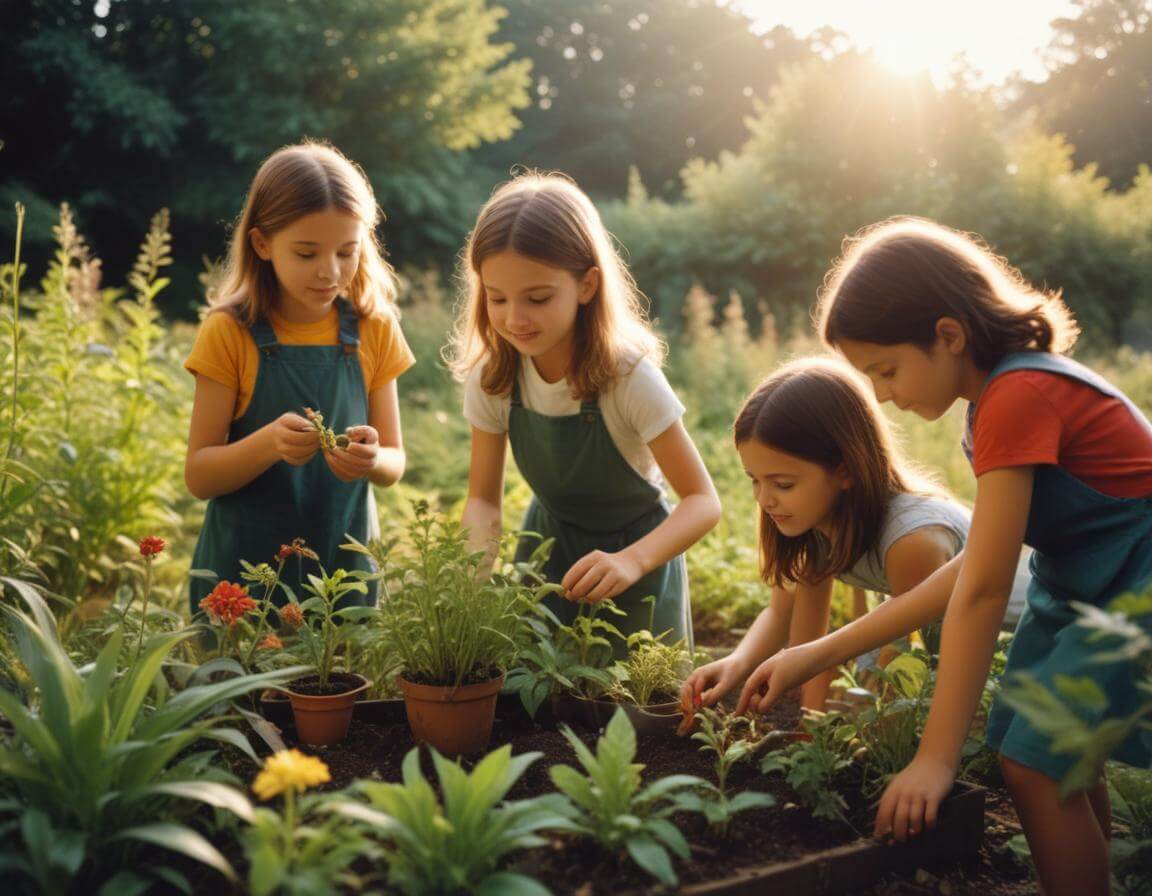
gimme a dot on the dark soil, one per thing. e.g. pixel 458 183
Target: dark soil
pixel 758 837
pixel 338 683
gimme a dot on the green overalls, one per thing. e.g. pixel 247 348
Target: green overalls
pixel 1089 547
pixel 589 498
pixel 286 502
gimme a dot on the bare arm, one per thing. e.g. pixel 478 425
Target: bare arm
pixel 969 639
pixel 893 619
pixel 483 510
pixel 599 575
pixel 214 466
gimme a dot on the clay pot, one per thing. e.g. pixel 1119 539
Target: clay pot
pixel 324 719
pixel 586 714
pixel 454 720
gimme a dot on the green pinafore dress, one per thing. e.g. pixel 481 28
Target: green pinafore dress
pixel 286 502
pixel 589 498
pixel 1089 547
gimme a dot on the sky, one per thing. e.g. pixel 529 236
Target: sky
pixel 998 36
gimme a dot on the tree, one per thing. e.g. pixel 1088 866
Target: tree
pixel 652 83
pixel 129 105
pixel 1099 89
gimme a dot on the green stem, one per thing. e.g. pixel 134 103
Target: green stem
pixel 289 825
pixel 144 612
pixel 15 344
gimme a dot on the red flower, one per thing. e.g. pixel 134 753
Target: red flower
pixel 292 615
pixel 285 552
pixel 151 544
pixel 227 603
pixel 271 642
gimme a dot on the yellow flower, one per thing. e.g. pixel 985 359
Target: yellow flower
pixel 289 770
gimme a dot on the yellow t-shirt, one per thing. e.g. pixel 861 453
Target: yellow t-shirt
pixel 225 352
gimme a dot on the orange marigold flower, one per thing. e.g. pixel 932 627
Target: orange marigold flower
pixel 271 642
pixel 227 603
pixel 151 544
pixel 292 615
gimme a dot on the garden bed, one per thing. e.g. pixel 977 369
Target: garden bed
pixel 783 848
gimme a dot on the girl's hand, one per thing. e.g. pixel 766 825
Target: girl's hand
pixel 777 675
pixel 913 798
pixel 293 439
pixel 600 575
pixel 706 685
pixel 357 460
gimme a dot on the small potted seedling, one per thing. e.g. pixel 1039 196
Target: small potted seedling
pixel 322 703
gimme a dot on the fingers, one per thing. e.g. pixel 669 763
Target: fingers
pixel 882 827
pixel 756 682
pixel 576 573
pixel 366 435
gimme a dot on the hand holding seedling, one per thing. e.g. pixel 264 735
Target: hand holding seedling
pixel 777 675
pixel 600 575
pixel 357 458
pixel 293 439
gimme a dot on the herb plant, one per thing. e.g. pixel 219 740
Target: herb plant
pixel 615 809
pixel 454 843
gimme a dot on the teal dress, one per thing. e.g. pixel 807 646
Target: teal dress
pixel 286 502
pixel 1089 547
pixel 589 498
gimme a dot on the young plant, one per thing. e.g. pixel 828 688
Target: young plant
pixel 304 849
pixel 614 809
pixel 455 843
pixel 733 739
pixel 327 625
pixel 651 670
pixel 544 668
pixel 447 623
pixel 811 767
pixel 100 762
pixel 329 441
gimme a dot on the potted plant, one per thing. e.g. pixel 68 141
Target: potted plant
pixel 453 630
pixel 646 684
pixel 322 702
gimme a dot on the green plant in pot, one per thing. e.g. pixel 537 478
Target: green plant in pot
pixel 322 702
pixel 453 631
pixel 646 683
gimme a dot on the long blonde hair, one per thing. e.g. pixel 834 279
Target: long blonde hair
pixel 292 182
pixel 817 410
pixel 547 218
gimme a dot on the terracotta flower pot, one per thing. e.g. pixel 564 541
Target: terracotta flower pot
pixel 453 720
pixel 324 719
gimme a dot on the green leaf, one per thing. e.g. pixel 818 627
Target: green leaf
pixel 652 857
pixel 506 883
pixel 179 838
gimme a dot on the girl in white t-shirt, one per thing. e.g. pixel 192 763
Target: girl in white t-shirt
pixel 837 501
pixel 558 361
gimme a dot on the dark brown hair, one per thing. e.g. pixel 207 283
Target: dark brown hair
pixel 548 218
pixel 817 410
pixel 896 279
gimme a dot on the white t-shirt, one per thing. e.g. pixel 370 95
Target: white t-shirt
pixel 637 406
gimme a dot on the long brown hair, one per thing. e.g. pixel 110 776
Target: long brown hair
pixel 293 182
pixel 817 410
pixel 546 217
pixel 896 279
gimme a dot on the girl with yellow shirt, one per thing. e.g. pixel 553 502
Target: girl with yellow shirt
pixel 304 318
